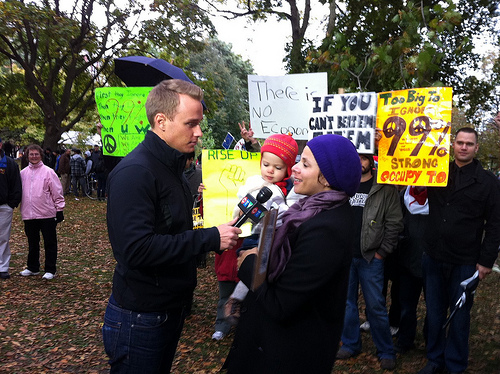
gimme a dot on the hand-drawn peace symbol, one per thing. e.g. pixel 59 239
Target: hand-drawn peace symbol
pixel 109 143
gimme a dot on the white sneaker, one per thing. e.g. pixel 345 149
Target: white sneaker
pixel 394 330
pixel 27 273
pixel 218 335
pixel 365 326
pixel 496 268
pixel 48 276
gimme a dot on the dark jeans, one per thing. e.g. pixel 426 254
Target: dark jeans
pixel 101 184
pixel 409 294
pixel 32 229
pixel 141 342
pixel 74 184
pixel 442 280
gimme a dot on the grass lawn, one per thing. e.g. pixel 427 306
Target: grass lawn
pixel 54 326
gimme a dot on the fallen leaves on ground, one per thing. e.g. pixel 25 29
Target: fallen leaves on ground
pixel 54 326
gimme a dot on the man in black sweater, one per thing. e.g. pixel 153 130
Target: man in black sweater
pixel 151 232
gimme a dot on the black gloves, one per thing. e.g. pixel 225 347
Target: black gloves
pixel 59 216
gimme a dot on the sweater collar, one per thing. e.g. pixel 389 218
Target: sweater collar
pixel 167 155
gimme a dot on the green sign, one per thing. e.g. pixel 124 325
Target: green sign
pixel 123 117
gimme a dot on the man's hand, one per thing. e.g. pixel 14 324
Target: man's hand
pixel 228 234
pixel 483 271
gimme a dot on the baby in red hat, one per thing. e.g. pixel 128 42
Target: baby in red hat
pixel 278 154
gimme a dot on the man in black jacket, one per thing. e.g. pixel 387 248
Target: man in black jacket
pixel 151 232
pixel 463 235
pixel 10 197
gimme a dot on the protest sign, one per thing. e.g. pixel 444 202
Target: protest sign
pixel 281 105
pixel 350 115
pixel 123 117
pixel 224 172
pixel 415 129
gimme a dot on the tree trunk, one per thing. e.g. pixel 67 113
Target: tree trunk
pixel 52 135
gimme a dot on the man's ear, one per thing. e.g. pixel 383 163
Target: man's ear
pixel 160 121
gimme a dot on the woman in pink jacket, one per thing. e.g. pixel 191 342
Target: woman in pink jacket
pixel 42 207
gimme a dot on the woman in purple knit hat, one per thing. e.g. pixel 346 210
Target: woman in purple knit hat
pixel 293 322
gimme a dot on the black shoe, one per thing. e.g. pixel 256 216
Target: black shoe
pixel 344 354
pixel 430 368
pixel 4 275
pixel 388 363
pixel 403 349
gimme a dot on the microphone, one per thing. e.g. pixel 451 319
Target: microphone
pixel 252 207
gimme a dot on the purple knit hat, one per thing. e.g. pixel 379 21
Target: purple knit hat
pixel 338 161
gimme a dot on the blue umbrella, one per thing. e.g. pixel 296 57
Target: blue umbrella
pixel 141 71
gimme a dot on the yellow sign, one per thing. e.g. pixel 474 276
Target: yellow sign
pixel 224 172
pixel 415 128
pixel 123 117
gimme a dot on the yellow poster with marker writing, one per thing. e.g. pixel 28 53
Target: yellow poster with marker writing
pixel 224 172
pixel 123 117
pixel 415 127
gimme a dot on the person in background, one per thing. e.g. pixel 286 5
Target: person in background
pixel 24 157
pixel 150 226
pixel 250 144
pixel 42 207
pixel 65 170
pixel 194 177
pixel 94 156
pixel 101 174
pixel 89 165
pixel 411 247
pixel 48 158
pixel 379 221
pixel 462 237
pixel 292 322
pixel 8 148
pixel 10 197
pixel 77 165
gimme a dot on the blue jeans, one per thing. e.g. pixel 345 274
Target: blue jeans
pixel 371 278
pixel 442 290
pixel 141 342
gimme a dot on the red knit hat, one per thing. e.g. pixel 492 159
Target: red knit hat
pixel 283 146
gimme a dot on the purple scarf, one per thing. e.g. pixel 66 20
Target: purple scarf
pixel 298 213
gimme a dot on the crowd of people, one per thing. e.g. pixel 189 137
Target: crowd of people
pixel 338 232
pixel 336 237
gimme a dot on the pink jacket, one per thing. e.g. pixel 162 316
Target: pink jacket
pixel 42 192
